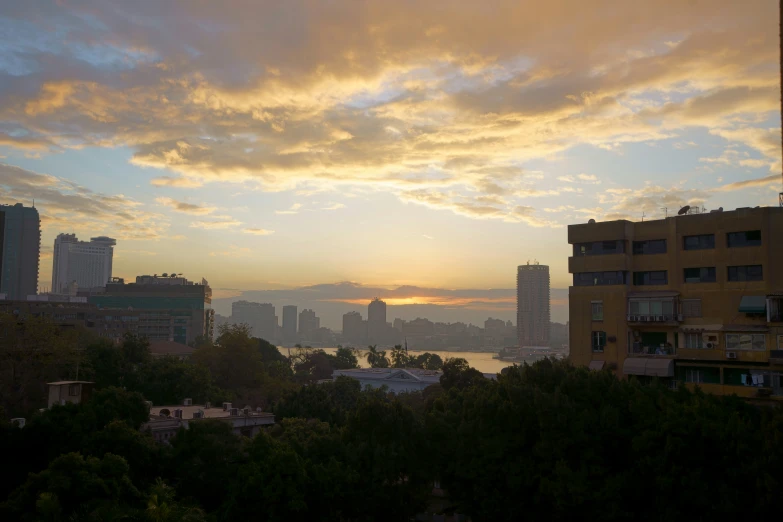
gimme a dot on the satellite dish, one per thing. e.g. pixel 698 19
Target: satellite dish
pixel 684 210
pixel 591 222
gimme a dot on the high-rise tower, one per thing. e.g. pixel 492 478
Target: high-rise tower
pixel 533 305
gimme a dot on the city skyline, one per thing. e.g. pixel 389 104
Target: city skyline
pixel 377 157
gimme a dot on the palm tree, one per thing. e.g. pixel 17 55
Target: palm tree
pixel 375 358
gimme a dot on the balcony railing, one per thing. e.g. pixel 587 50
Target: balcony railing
pixel 653 318
pixel 639 348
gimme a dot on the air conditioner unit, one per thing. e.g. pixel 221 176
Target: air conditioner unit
pixel 660 318
pixel 178 413
pixel 731 355
pixel 226 406
pixel 246 411
pixel 710 346
pixel 187 402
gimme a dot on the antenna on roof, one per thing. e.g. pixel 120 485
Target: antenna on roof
pixel 665 211
pixel 684 210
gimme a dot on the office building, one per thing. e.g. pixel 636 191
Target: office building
pixel 308 324
pixel 376 321
pixel 694 298
pixel 418 328
pixel 169 308
pixel 289 322
pixel 354 328
pixel 533 305
pixel 260 317
pixel 20 249
pixel 86 264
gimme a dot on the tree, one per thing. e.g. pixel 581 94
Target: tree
pixel 428 361
pixel 73 482
pixel 400 357
pixel 345 358
pixel 376 358
pixel 33 351
pixel 458 373
pixel 205 458
pixel 147 458
pixel 270 353
pixel 135 349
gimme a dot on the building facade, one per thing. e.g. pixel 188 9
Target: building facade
pixel 376 321
pixel 180 312
pixel 533 305
pixel 694 299
pixel 20 249
pixel 289 322
pixel 308 323
pixel 354 328
pixel 86 263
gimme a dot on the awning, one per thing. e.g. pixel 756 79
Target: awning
pixel 634 366
pixel 649 366
pixel 753 304
pixel 596 365
pixel 660 367
pixel 701 327
pixel 750 328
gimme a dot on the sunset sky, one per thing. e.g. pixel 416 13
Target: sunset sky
pixel 266 145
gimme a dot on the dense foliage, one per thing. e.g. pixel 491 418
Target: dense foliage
pixel 542 442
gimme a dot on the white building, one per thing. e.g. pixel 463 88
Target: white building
pixel 166 420
pixel 397 380
pixel 87 263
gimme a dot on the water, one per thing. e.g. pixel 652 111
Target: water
pixel 482 361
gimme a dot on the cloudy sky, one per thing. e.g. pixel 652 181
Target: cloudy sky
pixel 267 145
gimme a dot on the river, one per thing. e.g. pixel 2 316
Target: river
pixel 482 361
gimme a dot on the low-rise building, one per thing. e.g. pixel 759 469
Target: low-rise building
pixel 397 380
pixel 75 392
pixel 166 420
pixel 171 349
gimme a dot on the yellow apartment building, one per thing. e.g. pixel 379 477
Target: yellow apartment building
pixel 694 298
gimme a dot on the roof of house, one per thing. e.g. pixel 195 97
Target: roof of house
pixel 209 413
pixel 393 374
pixel 170 348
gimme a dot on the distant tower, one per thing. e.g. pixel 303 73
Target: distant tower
pixel 289 322
pixel 20 250
pixel 376 320
pixel 89 264
pixel 533 305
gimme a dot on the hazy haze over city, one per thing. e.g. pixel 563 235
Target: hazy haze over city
pixel 279 145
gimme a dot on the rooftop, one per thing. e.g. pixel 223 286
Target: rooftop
pixel 209 413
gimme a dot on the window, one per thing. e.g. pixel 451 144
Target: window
pixel 73 390
pixel 653 246
pixel 693 341
pixel 648 307
pixel 658 277
pixel 599 278
pixel 694 375
pixel 691 308
pixel 703 242
pixel 700 275
pixel 780 342
pixel 599 341
pixel 743 239
pixel 597 248
pixel 598 310
pixel 736 342
pixel 746 273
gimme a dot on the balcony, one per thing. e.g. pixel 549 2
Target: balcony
pixel 642 319
pixel 642 348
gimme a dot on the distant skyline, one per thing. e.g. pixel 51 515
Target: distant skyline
pixel 268 145
pixel 331 301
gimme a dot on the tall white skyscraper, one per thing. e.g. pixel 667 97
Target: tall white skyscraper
pixel 533 305
pixel 87 263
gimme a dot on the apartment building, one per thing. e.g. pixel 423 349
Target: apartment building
pixel 694 298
